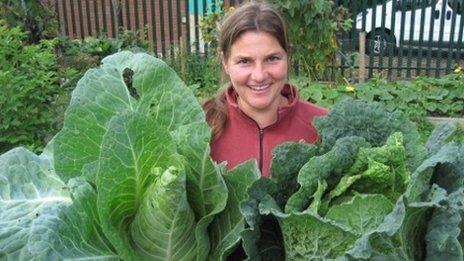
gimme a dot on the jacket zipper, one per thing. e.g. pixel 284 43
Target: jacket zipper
pixel 261 149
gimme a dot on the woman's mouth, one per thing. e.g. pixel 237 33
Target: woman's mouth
pixel 259 87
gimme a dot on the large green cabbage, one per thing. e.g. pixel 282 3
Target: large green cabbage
pixel 367 193
pixel 128 177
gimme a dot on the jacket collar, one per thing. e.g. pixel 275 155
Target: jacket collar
pixel 288 91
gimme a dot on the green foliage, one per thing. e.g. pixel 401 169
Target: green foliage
pixel 32 16
pixel 82 54
pixel 423 96
pixel 418 98
pixel 209 26
pixel 375 125
pixel 227 225
pixel 335 162
pixel 201 74
pixel 128 177
pixel 360 198
pixel 36 79
pixel 102 46
pixel 312 26
pixel 30 90
pixel 76 56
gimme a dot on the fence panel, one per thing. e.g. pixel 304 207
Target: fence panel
pixel 405 38
pixel 165 24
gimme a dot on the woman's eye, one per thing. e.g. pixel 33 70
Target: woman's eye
pixel 273 58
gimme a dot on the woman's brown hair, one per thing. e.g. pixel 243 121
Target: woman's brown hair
pixel 251 16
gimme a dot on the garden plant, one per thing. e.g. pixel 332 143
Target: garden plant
pixel 419 98
pixel 129 177
pixel 30 88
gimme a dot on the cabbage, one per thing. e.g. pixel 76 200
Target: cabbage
pixel 128 177
pixel 371 191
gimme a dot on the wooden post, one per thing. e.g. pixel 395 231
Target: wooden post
pixel 362 55
pixel 183 70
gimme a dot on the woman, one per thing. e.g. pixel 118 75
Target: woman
pixel 259 109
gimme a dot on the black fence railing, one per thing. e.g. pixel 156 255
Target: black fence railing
pixel 404 38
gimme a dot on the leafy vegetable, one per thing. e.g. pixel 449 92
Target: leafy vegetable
pixel 444 234
pixel 228 225
pixel 372 122
pixel 133 177
pixel 366 193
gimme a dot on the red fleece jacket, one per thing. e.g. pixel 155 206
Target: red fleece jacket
pixel 242 139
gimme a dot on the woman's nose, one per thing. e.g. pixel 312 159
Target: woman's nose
pixel 259 73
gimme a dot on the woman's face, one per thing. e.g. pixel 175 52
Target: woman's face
pixel 257 66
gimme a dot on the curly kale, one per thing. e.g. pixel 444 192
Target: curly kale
pixel 374 123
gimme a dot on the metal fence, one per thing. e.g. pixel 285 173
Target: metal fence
pixel 404 38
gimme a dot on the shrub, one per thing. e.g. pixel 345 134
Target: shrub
pixel 34 16
pixel 29 88
pixel 75 56
pixel 312 28
pixel 202 74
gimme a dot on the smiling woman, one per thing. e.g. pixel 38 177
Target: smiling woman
pixel 259 109
pixel 257 67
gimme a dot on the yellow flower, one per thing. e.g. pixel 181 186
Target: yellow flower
pixel 457 69
pixel 231 8
pixel 334 42
pixel 350 88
